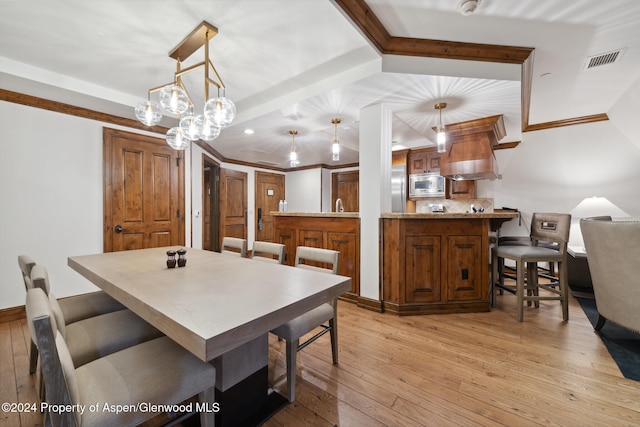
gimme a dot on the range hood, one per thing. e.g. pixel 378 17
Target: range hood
pixel 469 154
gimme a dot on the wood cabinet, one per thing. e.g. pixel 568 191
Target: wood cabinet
pixel 338 232
pixel 435 265
pixel 424 161
pixel 461 189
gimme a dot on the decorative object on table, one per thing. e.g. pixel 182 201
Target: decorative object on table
pixel 182 257
pixel 171 259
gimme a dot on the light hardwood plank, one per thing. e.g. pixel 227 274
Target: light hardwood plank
pixel 470 369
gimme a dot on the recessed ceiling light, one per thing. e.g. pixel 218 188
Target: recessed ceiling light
pixel 249 131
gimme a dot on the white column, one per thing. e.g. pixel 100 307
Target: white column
pixel 375 192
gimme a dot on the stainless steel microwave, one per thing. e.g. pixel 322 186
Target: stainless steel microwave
pixel 426 185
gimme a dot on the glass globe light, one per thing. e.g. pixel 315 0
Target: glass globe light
pixel 148 113
pixel 221 111
pixel 208 131
pixel 189 127
pixel 174 99
pixel 176 140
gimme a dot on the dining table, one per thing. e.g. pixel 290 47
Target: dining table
pixel 220 308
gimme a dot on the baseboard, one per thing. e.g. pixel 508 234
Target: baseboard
pixel 370 304
pixel 12 313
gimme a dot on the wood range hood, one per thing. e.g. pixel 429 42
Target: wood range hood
pixel 470 145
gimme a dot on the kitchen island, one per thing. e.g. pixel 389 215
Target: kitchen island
pixel 437 262
pixel 327 230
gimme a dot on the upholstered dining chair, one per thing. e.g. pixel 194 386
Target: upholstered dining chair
pixel 613 252
pixel 234 246
pixel 323 316
pixel 268 251
pixel 158 371
pixel 74 308
pixel 548 228
pixel 97 336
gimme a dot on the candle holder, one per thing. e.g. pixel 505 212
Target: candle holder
pixel 182 257
pixel 171 259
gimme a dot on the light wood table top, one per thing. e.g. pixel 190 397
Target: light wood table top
pixel 214 304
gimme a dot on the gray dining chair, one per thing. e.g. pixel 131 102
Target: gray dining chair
pixel 323 316
pixel 547 228
pixel 234 246
pixel 73 308
pixel 158 371
pixel 268 251
pixel 97 336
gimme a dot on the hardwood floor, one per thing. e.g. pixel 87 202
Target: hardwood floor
pixel 437 370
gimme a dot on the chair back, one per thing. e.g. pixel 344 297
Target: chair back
pixel 613 251
pixel 551 227
pixel 306 255
pixel 266 251
pixel 58 371
pixel 40 280
pixel 234 246
pixel 26 263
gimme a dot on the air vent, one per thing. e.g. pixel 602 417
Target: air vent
pixel 264 162
pixel 604 59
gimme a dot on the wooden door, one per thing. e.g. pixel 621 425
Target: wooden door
pixel 269 191
pixel 233 204
pixel 210 204
pixel 423 281
pixel 345 185
pixel 143 192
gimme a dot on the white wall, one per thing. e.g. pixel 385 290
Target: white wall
pixel 304 190
pixel 553 170
pixel 50 197
pixel 51 192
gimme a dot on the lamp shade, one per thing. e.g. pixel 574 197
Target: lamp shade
pixel 208 131
pixel 176 140
pixel 590 207
pixel 174 99
pixel 148 112
pixel 220 111
pixel 596 206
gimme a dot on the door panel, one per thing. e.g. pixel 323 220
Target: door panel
pixel 422 269
pixel 233 204
pixel 269 191
pixel 143 192
pixel 464 268
pixel 345 185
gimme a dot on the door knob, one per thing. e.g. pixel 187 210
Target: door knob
pixel 118 228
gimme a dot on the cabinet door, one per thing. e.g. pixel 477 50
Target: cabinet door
pixel 433 162
pixel 346 244
pixel 464 268
pixel 461 189
pixel 418 163
pixel 423 282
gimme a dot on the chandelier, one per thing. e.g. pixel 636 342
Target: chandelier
pixel 293 156
pixel 335 146
pixel 441 137
pixel 174 99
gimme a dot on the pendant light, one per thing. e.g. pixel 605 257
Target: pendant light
pixel 293 156
pixel 335 147
pixel 174 99
pixel 441 137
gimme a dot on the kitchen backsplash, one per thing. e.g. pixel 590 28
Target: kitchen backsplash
pixel 455 205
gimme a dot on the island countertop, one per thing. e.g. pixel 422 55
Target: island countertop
pixel 452 215
pixel 442 215
pixel 319 214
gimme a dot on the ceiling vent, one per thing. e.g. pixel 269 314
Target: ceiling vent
pixel 604 59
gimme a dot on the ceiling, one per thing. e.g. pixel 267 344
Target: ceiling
pixel 296 65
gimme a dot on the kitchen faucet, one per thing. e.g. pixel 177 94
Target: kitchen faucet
pixel 339 205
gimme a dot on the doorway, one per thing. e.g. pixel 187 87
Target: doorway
pixel 210 205
pixel 143 190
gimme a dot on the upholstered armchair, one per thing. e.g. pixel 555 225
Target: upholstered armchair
pixel 613 253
